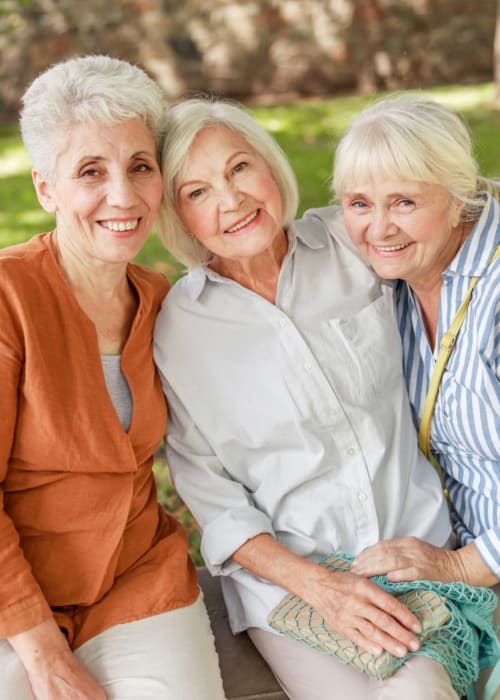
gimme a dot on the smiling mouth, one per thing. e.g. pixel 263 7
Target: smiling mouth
pixel 391 248
pixel 118 226
pixel 244 222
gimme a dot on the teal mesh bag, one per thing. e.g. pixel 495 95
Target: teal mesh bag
pixel 456 620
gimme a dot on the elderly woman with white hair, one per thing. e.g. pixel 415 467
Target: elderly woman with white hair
pixel 290 431
pixel 98 597
pixel 417 209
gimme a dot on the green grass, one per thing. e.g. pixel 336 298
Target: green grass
pixel 307 131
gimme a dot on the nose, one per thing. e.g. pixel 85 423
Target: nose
pixel 121 192
pixel 381 225
pixel 230 197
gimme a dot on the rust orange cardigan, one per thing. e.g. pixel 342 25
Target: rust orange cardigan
pixel 81 534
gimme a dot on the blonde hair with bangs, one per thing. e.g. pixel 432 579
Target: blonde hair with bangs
pixel 410 137
pixel 185 120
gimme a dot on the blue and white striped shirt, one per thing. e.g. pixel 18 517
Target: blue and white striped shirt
pixel 465 433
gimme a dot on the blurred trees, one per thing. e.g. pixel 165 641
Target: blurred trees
pixel 253 48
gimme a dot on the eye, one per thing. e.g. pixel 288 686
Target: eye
pixel 195 194
pixel 239 167
pixel 356 204
pixel 89 172
pixel 143 168
pixel 405 203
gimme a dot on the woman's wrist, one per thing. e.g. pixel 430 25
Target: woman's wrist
pixel 470 568
pixel 40 645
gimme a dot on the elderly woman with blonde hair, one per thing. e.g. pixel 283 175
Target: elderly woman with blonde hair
pixel 422 216
pixel 290 431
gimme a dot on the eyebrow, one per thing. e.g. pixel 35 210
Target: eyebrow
pixel 407 195
pixel 137 154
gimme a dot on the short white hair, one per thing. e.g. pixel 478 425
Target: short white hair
pixel 185 120
pixel 89 89
pixel 411 137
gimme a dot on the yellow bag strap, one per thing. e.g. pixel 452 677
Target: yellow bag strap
pixel 446 345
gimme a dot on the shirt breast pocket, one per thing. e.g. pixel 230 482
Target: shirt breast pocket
pixel 364 351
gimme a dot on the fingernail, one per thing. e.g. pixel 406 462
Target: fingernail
pixel 376 651
pixel 416 628
pixel 400 651
pixel 414 646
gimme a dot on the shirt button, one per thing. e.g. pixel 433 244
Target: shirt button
pixel 362 496
pixel 351 451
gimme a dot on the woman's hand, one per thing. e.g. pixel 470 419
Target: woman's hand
pixel 53 670
pixel 358 609
pixel 410 559
pixel 350 604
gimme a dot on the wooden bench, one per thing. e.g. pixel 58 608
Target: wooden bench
pixel 245 674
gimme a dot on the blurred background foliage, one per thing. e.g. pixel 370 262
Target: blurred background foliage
pixel 265 50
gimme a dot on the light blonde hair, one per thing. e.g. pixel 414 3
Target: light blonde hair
pixel 410 137
pixel 185 120
pixel 89 89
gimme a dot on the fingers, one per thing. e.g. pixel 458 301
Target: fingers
pixel 407 556
pixel 375 620
pixel 410 573
pixel 373 639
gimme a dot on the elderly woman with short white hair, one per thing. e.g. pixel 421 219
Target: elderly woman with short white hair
pixel 98 598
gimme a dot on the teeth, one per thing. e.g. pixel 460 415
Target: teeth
pixel 391 248
pixel 120 225
pixel 243 223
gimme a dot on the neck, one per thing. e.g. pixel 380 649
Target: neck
pixel 104 294
pixel 428 288
pixel 428 300
pixel 90 276
pixel 259 273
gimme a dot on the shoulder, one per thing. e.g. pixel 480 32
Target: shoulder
pixel 326 220
pixel 26 266
pixel 149 283
pixel 187 291
pixel 328 223
pixel 29 251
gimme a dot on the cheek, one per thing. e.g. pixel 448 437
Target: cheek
pixel 273 197
pixel 354 228
pixel 155 192
pixel 194 220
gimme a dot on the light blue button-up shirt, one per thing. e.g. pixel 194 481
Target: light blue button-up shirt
pixel 465 433
pixel 292 419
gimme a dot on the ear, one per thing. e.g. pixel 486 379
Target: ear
pixel 44 191
pixel 457 210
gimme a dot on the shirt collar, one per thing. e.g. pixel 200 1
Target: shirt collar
pixel 304 231
pixel 474 256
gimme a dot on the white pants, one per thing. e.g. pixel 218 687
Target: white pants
pixel 165 657
pixel 307 674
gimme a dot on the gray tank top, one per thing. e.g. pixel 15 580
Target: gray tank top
pixel 118 388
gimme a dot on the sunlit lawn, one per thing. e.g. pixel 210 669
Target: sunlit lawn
pixel 306 130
